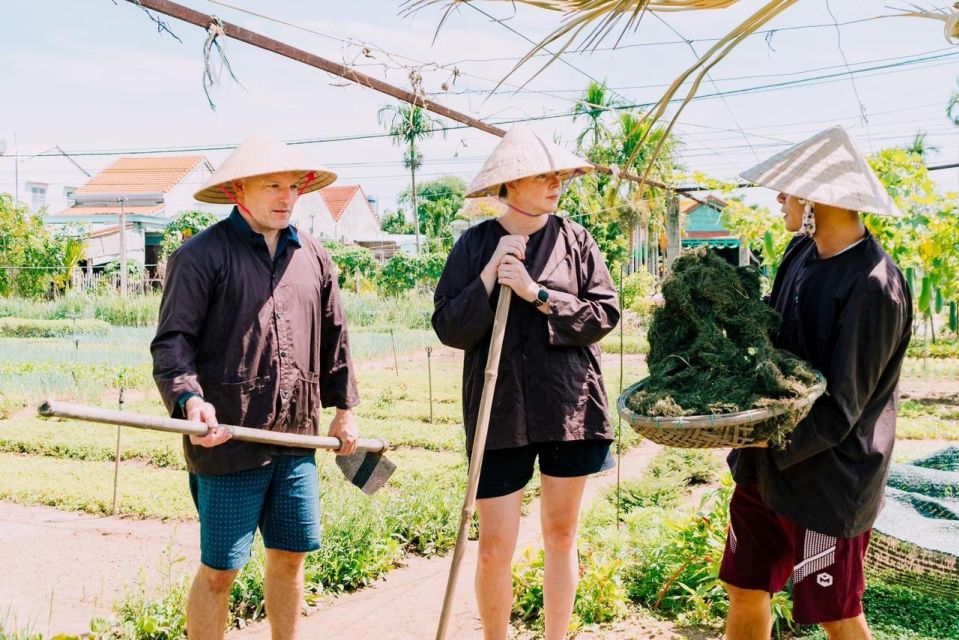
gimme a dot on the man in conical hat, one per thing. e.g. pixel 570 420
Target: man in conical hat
pixel 549 402
pixel 806 510
pixel 252 332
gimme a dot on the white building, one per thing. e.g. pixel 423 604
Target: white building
pixel 45 180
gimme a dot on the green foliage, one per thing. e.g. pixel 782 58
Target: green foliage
pixel 31 258
pixel 134 268
pixel 687 466
pixel 404 272
pixel 678 575
pixel 939 349
pixel 637 289
pixel 438 204
pixel 600 595
pixel 352 261
pixel 185 225
pixel 28 328
pixel 396 222
pixel 762 230
pixel 141 617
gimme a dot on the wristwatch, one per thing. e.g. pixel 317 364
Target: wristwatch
pixel 542 297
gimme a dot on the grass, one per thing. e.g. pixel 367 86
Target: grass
pixel 926 428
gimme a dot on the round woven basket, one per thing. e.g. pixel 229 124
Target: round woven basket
pixel 719 431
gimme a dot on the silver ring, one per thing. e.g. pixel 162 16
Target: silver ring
pixel 504 274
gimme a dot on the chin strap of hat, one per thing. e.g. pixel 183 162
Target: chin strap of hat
pixel 310 177
pixel 233 199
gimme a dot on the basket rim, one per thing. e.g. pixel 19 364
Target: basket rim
pixel 749 416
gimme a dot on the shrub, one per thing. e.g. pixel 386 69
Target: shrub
pixel 26 328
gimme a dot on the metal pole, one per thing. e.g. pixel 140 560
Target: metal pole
pixel 476 459
pixel 204 20
pixel 396 363
pixel 116 460
pixel 429 374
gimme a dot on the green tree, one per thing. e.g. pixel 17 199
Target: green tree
pixel 185 225
pixel 30 257
pixel 353 262
pixel 595 103
pixel 952 108
pixel 396 222
pixel 407 125
pixel 438 205
pixel 762 230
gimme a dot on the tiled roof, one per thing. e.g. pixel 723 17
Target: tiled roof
pixel 338 198
pixel 141 175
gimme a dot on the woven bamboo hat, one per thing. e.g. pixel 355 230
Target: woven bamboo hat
pixel 520 154
pixel 826 168
pixel 258 155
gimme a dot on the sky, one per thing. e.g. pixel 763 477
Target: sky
pixel 96 77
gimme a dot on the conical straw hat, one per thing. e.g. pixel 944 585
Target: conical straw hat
pixel 258 155
pixel 520 154
pixel 826 168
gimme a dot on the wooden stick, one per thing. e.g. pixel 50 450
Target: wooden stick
pixel 187 427
pixel 476 458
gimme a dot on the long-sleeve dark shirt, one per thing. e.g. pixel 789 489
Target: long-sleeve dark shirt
pixel 549 386
pixel 262 339
pixel 850 316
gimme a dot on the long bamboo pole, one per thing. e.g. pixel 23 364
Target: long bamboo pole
pixel 187 427
pixel 476 458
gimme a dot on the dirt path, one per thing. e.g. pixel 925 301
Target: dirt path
pixel 61 569
pixel 407 603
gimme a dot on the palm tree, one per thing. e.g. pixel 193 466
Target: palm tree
pixel 593 105
pixel 920 147
pixel 406 125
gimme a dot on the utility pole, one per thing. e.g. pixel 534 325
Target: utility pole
pixel 123 247
pixel 673 242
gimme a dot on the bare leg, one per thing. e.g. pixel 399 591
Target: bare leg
pixel 559 516
pixel 283 592
pixel 848 629
pixel 498 529
pixel 749 615
pixel 206 608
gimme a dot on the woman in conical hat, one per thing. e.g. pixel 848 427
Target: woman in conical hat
pixel 549 400
pixel 806 510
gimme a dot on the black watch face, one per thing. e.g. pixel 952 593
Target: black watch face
pixel 543 296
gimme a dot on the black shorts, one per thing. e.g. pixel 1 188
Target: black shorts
pixel 508 470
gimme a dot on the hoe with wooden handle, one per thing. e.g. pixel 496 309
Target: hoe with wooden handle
pixel 368 468
pixel 476 458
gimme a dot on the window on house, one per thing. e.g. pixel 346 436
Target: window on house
pixel 68 194
pixel 38 195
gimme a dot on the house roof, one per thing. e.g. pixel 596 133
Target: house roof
pixel 113 229
pixel 713 202
pixel 141 175
pixel 338 198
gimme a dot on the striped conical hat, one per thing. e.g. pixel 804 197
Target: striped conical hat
pixel 826 168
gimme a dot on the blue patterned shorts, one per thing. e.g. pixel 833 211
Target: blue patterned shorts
pixel 281 498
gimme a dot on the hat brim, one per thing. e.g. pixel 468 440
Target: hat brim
pixel 213 193
pixel 493 190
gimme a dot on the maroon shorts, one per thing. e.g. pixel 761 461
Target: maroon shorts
pixel 763 549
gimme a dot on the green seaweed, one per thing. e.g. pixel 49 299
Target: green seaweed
pixel 711 349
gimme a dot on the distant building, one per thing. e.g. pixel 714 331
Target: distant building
pixel 147 192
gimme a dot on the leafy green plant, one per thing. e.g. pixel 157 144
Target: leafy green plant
pixel 27 328
pixel 353 262
pixel 185 225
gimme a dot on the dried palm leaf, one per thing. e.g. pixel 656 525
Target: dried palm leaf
pixel 603 15
pixel 950 18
